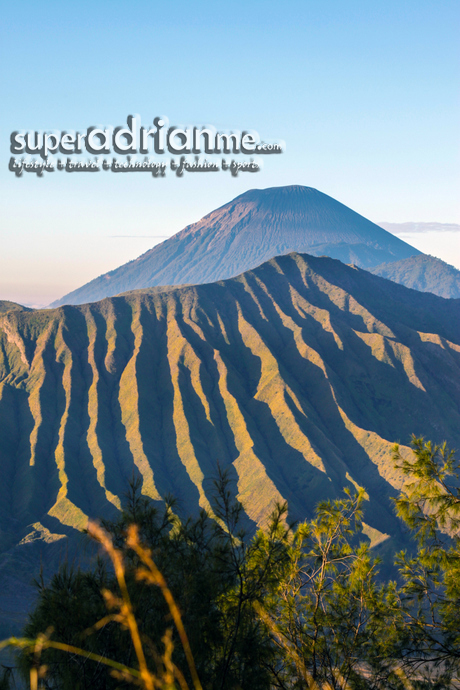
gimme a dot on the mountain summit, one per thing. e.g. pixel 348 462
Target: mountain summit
pixel 254 227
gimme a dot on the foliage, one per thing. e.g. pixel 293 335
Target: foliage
pixel 328 615
pixel 214 574
pixel 429 597
pixel 6 676
pixel 198 604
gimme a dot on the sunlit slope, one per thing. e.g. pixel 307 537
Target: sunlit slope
pixel 5 306
pixel 251 229
pixel 296 376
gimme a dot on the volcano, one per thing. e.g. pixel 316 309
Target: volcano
pixel 251 229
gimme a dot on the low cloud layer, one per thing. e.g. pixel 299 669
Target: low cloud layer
pixel 403 228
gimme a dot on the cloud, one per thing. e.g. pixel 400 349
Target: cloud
pixel 156 237
pixel 404 228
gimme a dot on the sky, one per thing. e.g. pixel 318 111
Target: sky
pixel 364 95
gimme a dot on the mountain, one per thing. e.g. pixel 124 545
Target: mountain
pixel 423 272
pixel 11 306
pixel 297 377
pixel 242 234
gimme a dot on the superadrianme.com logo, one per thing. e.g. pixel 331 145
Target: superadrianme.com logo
pixel 138 148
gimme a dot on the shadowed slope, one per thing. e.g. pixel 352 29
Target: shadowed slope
pixel 297 377
pixel 251 229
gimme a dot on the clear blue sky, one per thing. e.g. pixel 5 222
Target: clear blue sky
pixel 365 95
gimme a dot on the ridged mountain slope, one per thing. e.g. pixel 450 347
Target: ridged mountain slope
pixel 425 273
pixel 297 376
pixel 242 234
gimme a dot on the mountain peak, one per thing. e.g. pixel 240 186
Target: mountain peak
pixel 245 232
pixel 286 192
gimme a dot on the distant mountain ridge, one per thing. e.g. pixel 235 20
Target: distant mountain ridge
pixel 251 229
pixel 5 306
pixel 296 377
pixel 423 272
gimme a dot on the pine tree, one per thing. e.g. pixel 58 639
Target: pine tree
pixel 430 595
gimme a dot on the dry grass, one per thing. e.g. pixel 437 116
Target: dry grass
pixel 120 610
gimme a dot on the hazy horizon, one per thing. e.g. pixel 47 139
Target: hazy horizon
pixel 442 242
pixel 445 237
